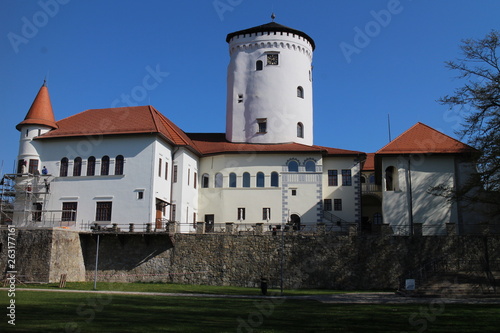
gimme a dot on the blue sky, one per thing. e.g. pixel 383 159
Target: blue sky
pixel 372 58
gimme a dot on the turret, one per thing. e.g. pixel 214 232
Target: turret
pixel 269 85
pixel 39 120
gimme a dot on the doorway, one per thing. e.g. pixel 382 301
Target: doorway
pixel 209 222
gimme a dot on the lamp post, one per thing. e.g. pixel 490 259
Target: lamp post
pixel 96 262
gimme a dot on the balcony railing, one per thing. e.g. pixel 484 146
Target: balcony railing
pixel 370 188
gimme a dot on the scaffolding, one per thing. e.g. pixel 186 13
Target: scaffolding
pixel 23 198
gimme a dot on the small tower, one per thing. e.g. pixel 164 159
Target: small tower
pixel 269 85
pixel 39 120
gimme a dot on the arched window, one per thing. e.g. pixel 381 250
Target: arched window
pixel 377 218
pixel 260 179
pixel 205 180
pixel 105 166
pixel 258 65
pixel 63 171
pixel 246 179
pixel 310 166
pixel 300 92
pixel 77 167
pixel 300 130
pixel 363 180
pixel 391 178
pixel 275 179
pixel 91 166
pixel 293 166
pixel 119 165
pixel 218 179
pixel 232 179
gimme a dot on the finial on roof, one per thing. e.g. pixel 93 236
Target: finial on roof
pixel 273 16
pixel 44 82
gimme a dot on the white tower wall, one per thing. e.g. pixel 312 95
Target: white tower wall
pixel 269 95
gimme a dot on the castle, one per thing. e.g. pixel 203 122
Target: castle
pixel 131 167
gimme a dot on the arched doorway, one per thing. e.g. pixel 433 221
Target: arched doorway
pixel 295 221
pixel 371 209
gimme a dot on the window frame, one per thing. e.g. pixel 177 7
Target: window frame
pixel 104 211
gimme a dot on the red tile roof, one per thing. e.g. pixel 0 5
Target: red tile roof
pixel 40 112
pixel 369 164
pixel 422 139
pixel 216 143
pixel 125 120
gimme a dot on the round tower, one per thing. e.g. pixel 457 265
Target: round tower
pixel 39 120
pixel 269 86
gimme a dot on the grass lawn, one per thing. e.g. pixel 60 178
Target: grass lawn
pixel 178 288
pixel 75 312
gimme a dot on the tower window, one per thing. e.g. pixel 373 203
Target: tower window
pixel 300 92
pixel 246 179
pixel 275 179
pixel 260 179
pixel 293 166
pixel 240 98
pixel 262 122
pixel 33 166
pixel 272 59
pixel 258 65
pixel 300 130
pixel 232 179
pixel 391 178
pixel 205 180
pixel 310 166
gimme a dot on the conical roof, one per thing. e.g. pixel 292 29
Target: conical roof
pixel 271 27
pixel 40 112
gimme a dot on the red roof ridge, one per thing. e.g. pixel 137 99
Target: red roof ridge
pixel 421 138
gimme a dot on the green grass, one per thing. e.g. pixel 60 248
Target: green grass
pixel 178 288
pixel 76 312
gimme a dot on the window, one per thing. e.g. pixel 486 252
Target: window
pixel 377 218
pixel 174 176
pixel 166 170
pixel 189 176
pixel 140 195
pixel 293 166
pixel 260 179
pixel 232 179
pixel 91 166
pixel 272 59
pixel 246 179
pixel 266 214
pixel 241 214
pixel 346 177
pixel 105 166
pixel 275 179
pixel 294 191
pixel 310 166
pixel 391 178
pixel 262 122
pixel 333 178
pixel 63 171
pixel 205 180
pixel 337 204
pixel 363 180
pixel 37 211
pixel 240 98
pixel 300 130
pixel 218 179
pixel 33 167
pixel 69 211
pixel 103 211
pixel 20 166
pixel 160 163
pixel 195 179
pixel 300 92
pixel 327 205
pixel 258 65
pixel 119 160
pixel 77 167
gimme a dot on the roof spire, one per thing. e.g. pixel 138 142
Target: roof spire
pixel 273 16
pixel 40 112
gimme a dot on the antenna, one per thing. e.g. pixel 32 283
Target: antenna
pixel 389 126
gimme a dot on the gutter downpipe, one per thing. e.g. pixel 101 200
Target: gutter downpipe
pixel 410 203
